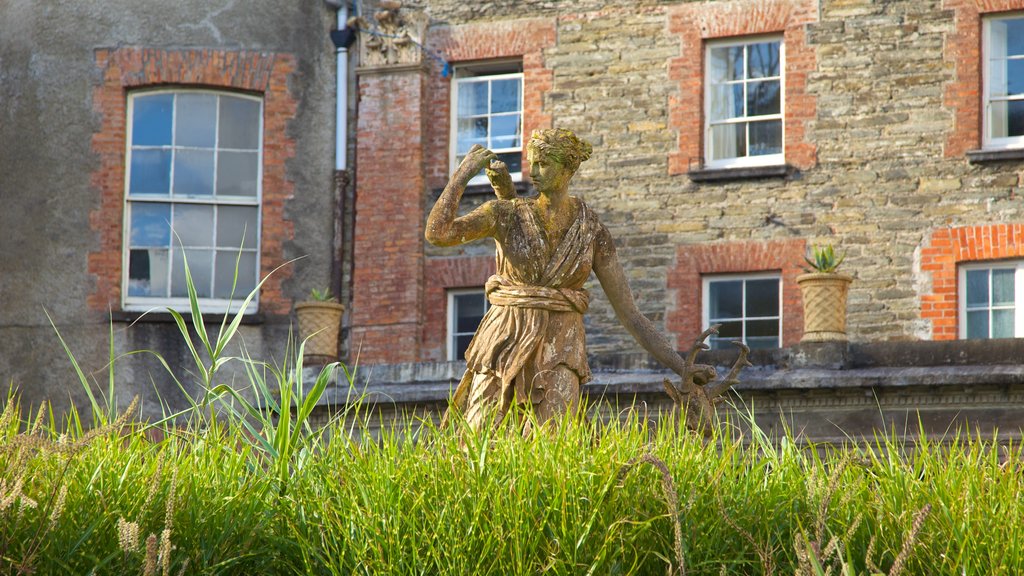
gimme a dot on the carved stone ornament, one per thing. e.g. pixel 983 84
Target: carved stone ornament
pixel 393 38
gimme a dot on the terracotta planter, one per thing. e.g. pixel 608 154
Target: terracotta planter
pixel 824 306
pixel 319 324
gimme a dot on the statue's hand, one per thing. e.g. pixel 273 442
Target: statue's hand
pixel 476 159
pixel 501 180
pixel 701 374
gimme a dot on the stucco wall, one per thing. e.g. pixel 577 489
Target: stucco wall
pixel 49 75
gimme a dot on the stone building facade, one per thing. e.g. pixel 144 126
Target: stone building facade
pixel 123 120
pixel 890 149
pixel 891 129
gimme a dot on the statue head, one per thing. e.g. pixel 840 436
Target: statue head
pixel 560 145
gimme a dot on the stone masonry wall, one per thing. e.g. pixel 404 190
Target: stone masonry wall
pixel 887 99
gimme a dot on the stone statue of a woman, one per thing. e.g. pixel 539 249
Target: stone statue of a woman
pixel 529 350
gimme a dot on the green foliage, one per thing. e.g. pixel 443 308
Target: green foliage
pixel 823 259
pixel 324 295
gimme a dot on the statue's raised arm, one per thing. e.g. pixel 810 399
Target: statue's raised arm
pixel 529 352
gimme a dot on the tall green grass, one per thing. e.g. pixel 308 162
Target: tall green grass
pixel 243 483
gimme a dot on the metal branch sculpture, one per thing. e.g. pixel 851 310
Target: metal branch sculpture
pixel 697 401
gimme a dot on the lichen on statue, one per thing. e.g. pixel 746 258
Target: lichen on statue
pixel 529 351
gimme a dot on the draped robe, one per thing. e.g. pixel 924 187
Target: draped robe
pixel 535 321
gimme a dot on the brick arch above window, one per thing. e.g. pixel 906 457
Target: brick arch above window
pixel 949 247
pixel 697 22
pixel 525 39
pixel 695 261
pixel 127 68
pixel 446 274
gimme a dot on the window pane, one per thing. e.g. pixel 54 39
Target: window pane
pixel 150 225
pixel 977 289
pixel 151 172
pixel 194 225
pixel 237 173
pixel 726 64
pixel 200 265
pixel 1015 77
pixel 237 226
pixel 196 120
pixel 239 123
pixel 147 273
pixel 726 101
pixel 728 332
pixel 151 120
pixel 505 95
pixel 193 173
pixel 471 131
pixel 1007 119
pixel 763 98
pixel 514 161
pixel 763 297
pixel 461 345
pixel 505 126
pixel 763 59
pixel 1002 287
pixel 225 274
pixel 1002 323
pixel 469 310
pixel 766 137
pixel 726 300
pixel 762 328
pixel 472 98
pixel 977 324
pixel 1008 37
pixel 728 141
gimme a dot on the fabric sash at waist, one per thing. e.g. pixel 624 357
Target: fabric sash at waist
pixel 502 293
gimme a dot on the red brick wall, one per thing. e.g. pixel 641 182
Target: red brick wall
pixel 123 69
pixel 444 274
pixel 951 246
pixel 696 260
pixel 525 39
pixel 963 49
pixel 387 292
pixel 697 22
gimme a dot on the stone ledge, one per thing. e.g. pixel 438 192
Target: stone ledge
pixel 166 317
pixel 749 173
pixel 985 156
pixel 523 188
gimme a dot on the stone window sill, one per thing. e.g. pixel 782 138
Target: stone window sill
pixel 983 156
pixel 748 173
pixel 522 189
pixel 166 317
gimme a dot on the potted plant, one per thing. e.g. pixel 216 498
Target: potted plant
pixel 319 324
pixel 824 292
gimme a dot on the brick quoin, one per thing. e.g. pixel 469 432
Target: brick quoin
pixel 695 23
pixel 127 68
pixel 387 276
pixel 949 247
pixel 963 93
pixel 697 260
pixel 525 39
pixel 444 274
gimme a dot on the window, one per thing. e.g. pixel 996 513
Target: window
pixel 1004 81
pixel 746 306
pixel 465 310
pixel 744 103
pixel 487 109
pixel 988 296
pixel 193 193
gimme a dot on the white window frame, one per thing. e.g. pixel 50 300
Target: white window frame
pixel 1018 294
pixel 988 142
pixel 212 305
pixel 744 161
pixel 706 281
pixel 457 83
pixel 450 311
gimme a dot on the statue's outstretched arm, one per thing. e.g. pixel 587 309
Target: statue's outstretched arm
pixel 443 227
pixel 613 281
